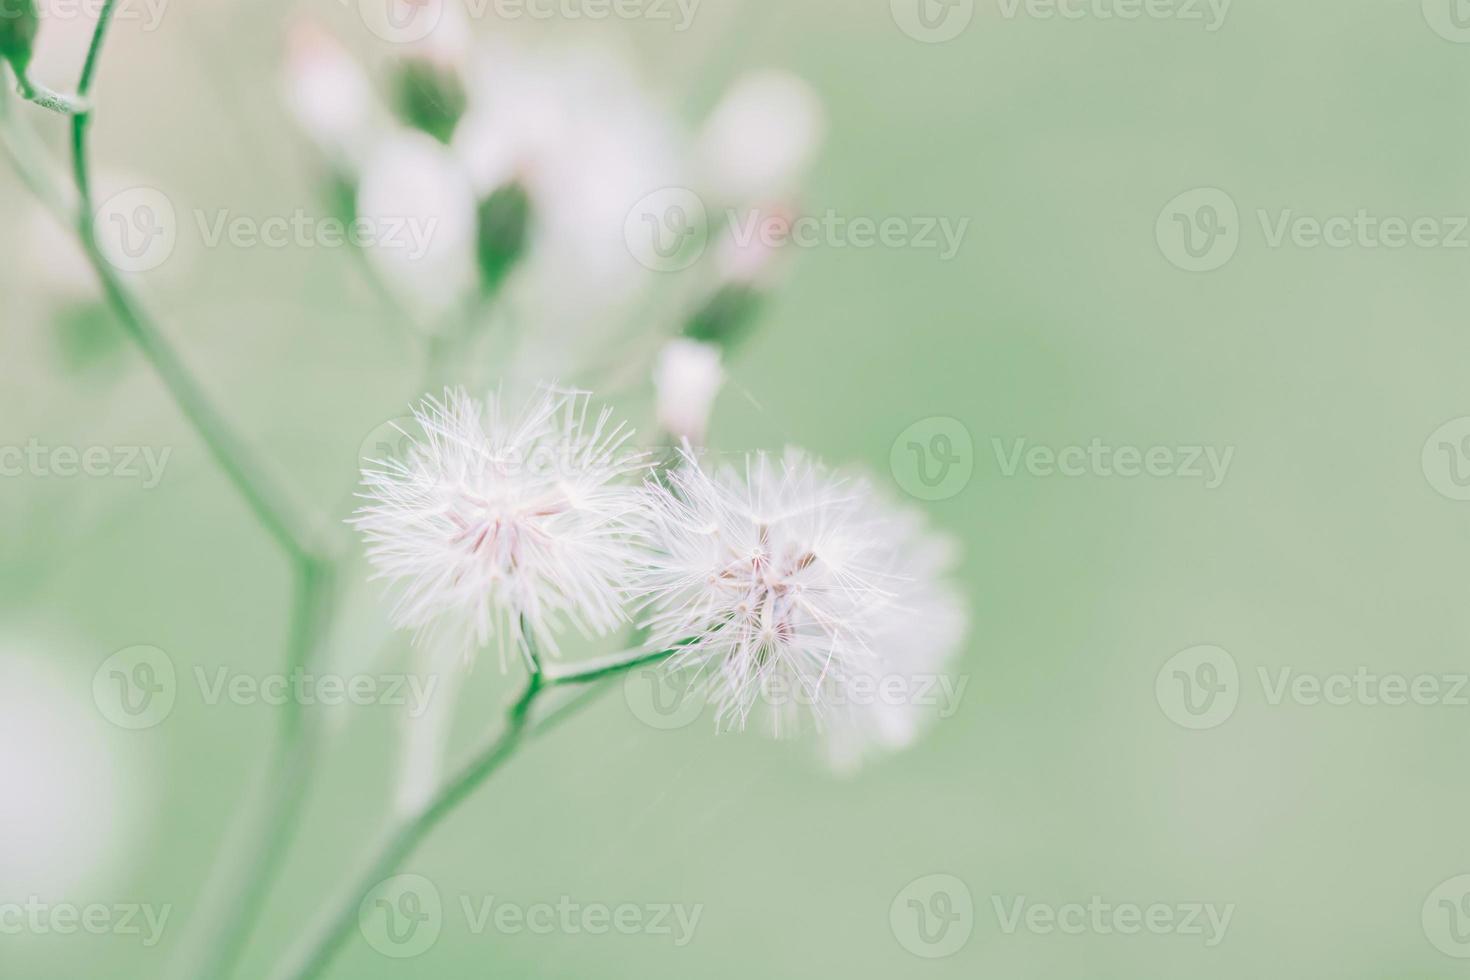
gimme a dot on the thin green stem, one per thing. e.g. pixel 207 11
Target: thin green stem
pixel 596 670
pixel 405 838
pixel 269 503
pixel 287 777
pixel 37 94
pixel 242 890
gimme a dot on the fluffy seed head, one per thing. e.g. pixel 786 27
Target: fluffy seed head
pixel 787 586
pixel 499 524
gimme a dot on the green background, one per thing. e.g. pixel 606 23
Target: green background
pixel 1061 319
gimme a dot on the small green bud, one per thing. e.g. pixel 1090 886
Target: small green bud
pixel 727 316
pixel 504 225
pixel 19 24
pixel 430 97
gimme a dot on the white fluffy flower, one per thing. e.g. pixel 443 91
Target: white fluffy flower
pixel 917 638
pixel 419 212
pixel 762 136
pixel 499 523
pixel 329 94
pixel 576 129
pixel 788 586
pixel 687 377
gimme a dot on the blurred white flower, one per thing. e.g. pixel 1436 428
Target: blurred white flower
pixel 785 586
pixel 687 377
pixel 329 95
pixel 59 770
pixel 500 524
pixel 762 137
pixel 417 203
pixel 587 142
pixel 917 639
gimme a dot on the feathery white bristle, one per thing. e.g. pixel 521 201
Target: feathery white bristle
pixel 497 523
pixel 783 585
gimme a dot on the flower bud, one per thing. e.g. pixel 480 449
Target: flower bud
pixel 428 86
pixel 19 24
pixel 504 223
pixel 430 97
pixel 726 317
pixel 687 377
pixel 761 138
pixel 328 93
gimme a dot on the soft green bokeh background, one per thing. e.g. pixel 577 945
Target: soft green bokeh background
pixel 1061 320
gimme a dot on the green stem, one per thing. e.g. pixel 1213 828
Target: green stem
pixel 243 889
pixel 250 477
pixel 408 834
pixel 288 775
pixel 405 838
